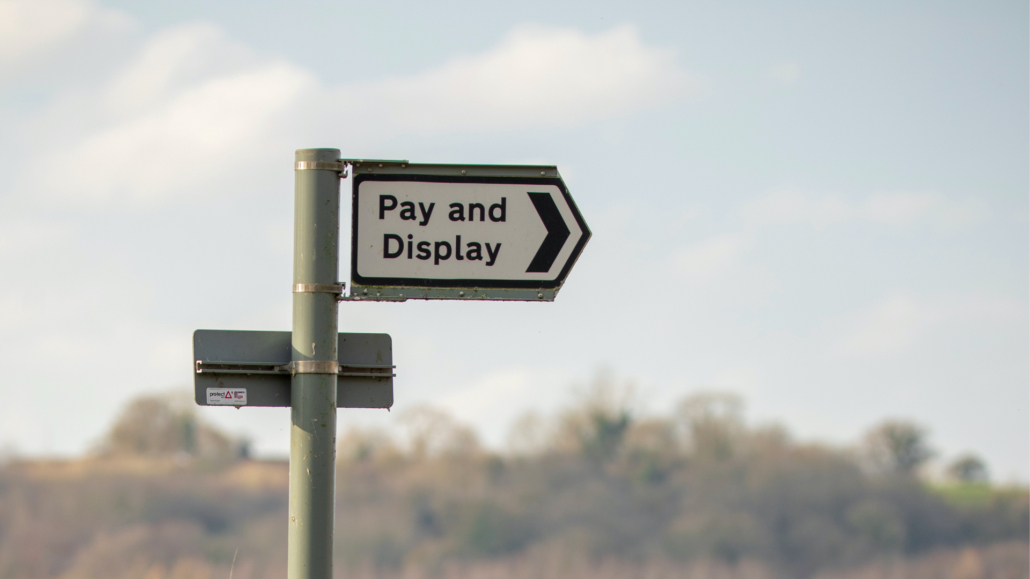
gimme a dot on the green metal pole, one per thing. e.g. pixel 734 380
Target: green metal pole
pixel 316 235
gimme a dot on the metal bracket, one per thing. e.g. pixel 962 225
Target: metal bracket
pixel 401 294
pixel 313 367
pixel 298 367
pixel 380 162
pixel 401 167
pixel 323 288
pixel 320 166
pixel 355 163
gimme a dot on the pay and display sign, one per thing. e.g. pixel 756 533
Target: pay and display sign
pixel 457 232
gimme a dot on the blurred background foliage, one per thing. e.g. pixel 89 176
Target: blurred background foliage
pixel 598 491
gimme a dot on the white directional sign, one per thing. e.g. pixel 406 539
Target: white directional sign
pixel 462 232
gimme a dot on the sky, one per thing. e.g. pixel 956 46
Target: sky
pixel 822 207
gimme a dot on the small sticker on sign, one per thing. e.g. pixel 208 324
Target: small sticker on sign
pixel 227 396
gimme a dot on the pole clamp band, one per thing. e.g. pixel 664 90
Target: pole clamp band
pixel 313 367
pixel 320 166
pixel 318 288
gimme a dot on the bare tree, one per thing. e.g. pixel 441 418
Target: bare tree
pixel 432 432
pixel 167 425
pixel 968 468
pixel 897 447
pixel 712 424
pixel 598 424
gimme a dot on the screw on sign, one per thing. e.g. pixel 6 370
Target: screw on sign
pixel 480 232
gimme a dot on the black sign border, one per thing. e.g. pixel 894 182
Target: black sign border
pixel 463 283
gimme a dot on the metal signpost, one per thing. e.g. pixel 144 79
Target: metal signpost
pixel 477 232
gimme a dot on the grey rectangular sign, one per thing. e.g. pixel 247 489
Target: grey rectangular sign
pixel 239 368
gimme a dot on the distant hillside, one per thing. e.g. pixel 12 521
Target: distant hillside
pixel 593 493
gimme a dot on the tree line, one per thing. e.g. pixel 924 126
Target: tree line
pixel 696 492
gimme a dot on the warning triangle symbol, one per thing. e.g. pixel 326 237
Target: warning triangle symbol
pixel 228 394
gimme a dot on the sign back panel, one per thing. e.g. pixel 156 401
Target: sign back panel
pixel 244 368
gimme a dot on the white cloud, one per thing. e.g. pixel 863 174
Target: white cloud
pixel 888 326
pixel 13 312
pixel 741 380
pixel 30 26
pixel 784 72
pixel 536 77
pixel 26 236
pixel 492 402
pixel 19 421
pixel 487 393
pixel 792 207
pixel 710 258
pixel 174 60
pixel 192 107
pixel 191 111
pixel 897 322
pixel 900 209
pixel 205 132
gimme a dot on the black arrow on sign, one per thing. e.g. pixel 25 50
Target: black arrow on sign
pixel 557 233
